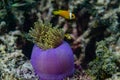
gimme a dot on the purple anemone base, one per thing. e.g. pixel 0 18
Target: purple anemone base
pixel 53 64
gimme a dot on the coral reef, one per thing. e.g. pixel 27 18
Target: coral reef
pixel 105 63
pixel 13 64
pixel 97 22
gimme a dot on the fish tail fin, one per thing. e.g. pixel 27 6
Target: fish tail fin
pixel 55 12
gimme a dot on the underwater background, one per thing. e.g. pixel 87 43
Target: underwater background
pixel 94 36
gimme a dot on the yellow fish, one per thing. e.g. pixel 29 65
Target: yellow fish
pixel 68 36
pixel 65 14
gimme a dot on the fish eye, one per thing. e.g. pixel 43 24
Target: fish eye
pixel 73 16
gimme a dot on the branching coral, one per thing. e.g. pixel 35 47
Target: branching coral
pixel 45 36
pixel 105 63
pixel 12 60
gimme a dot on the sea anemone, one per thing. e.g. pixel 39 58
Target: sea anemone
pixel 52 57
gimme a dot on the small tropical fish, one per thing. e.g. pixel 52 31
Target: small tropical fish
pixel 68 36
pixel 18 4
pixel 65 14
